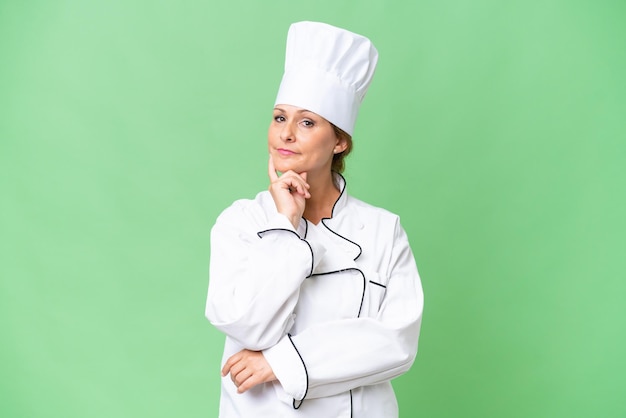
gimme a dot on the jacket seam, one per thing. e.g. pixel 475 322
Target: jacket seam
pixel 344 238
pixel 351 407
pixel 344 270
pixel 378 284
pixel 306 373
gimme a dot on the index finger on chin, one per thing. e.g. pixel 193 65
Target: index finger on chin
pixel 271 170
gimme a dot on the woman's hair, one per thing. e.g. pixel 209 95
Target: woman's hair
pixel 338 159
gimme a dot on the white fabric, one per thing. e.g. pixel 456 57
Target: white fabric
pixel 327 71
pixel 335 307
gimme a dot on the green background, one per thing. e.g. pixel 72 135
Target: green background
pixel 494 128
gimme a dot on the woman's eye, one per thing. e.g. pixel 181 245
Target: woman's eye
pixel 279 118
pixel 308 123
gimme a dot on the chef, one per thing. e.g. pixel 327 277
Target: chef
pixel 317 292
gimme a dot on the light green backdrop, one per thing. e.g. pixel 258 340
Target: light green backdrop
pixel 494 128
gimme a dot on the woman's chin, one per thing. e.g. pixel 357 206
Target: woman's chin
pixel 284 167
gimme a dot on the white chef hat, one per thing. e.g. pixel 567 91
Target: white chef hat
pixel 327 71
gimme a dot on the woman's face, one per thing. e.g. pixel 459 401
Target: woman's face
pixel 301 140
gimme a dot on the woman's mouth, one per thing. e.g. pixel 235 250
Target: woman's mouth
pixel 283 151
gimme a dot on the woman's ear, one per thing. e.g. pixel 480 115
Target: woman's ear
pixel 341 146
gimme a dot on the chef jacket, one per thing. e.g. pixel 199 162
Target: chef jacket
pixel 335 307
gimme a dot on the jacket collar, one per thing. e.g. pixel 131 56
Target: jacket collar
pixel 340 181
pixel 343 252
pixel 337 209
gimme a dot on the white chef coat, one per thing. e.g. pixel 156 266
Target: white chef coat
pixel 336 307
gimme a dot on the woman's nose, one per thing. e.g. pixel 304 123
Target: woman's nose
pixel 287 133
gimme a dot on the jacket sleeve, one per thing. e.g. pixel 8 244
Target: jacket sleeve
pixel 334 357
pixel 256 269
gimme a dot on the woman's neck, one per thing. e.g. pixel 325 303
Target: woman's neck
pixel 324 194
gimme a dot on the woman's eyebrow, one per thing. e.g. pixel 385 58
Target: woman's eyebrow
pixel 299 111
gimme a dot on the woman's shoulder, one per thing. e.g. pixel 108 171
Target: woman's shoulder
pixel 242 210
pixel 386 222
pixel 367 209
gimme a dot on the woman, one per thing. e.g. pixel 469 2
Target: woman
pixel 317 292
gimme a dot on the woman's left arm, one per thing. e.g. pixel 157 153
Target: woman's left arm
pixel 334 357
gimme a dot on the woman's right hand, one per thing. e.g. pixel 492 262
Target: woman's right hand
pixel 289 192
